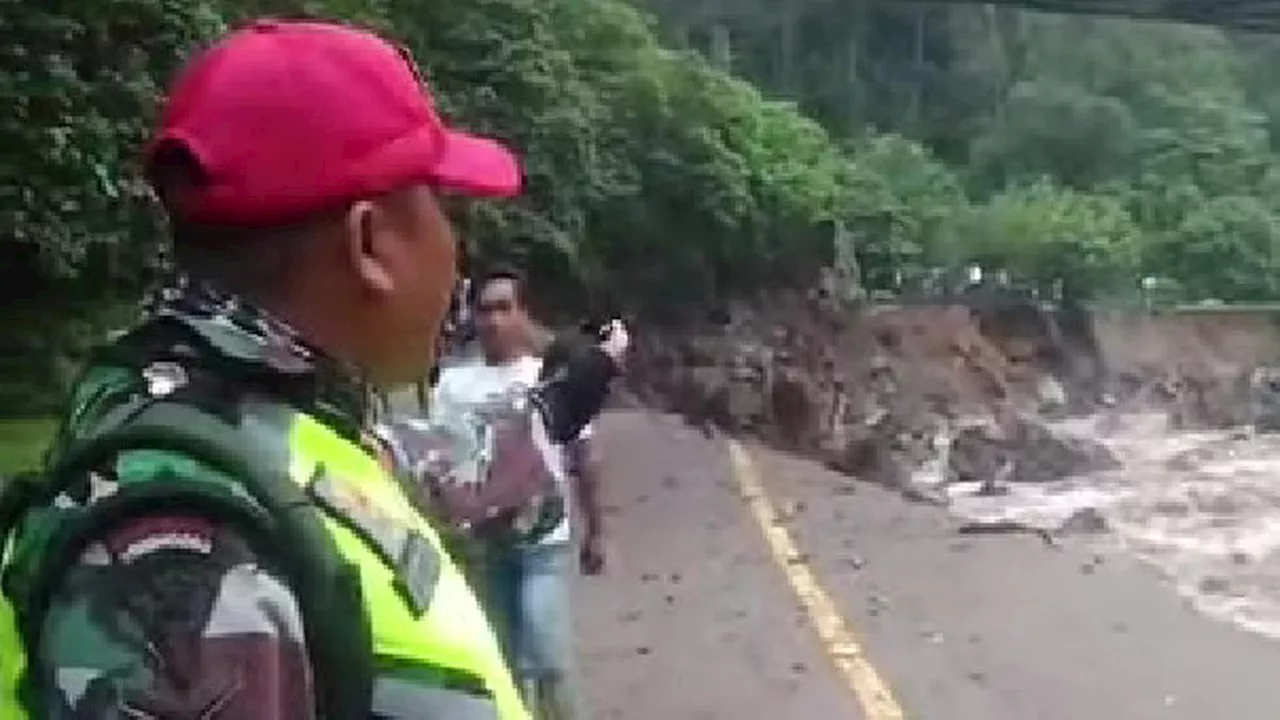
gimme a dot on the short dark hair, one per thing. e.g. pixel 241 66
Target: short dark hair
pixel 257 262
pixel 500 271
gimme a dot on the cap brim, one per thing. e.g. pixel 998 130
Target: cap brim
pixel 477 167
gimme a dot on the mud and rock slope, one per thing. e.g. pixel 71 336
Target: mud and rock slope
pixel 970 386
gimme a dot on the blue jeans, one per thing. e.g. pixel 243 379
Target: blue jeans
pixel 526 592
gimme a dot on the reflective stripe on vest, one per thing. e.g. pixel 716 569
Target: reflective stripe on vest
pixel 441 625
pixel 401 699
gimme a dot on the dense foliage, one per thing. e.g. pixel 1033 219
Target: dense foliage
pixel 649 172
pixel 918 137
pixel 1090 151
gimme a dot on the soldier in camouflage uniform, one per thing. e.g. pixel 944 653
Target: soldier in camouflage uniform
pixel 300 164
pixel 173 614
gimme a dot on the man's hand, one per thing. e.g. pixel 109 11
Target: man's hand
pixel 615 340
pixel 583 466
pixel 591 556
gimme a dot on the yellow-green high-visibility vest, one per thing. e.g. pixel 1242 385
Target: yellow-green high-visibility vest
pixel 353 546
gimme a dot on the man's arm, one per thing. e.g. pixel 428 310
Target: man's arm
pixel 174 616
pixel 576 393
pixel 584 473
pixel 576 378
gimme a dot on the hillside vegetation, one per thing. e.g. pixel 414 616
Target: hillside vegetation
pixel 908 137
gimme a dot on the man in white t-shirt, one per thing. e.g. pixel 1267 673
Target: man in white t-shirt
pixel 525 584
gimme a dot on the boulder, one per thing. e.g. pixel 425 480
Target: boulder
pixel 1264 396
pixel 1042 455
pixel 1051 396
pixel 977 454
pixel 1209 402
pixel 1023 449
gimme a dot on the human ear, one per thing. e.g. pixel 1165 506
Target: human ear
pixel 370 247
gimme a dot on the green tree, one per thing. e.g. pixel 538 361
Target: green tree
pixel 1046 235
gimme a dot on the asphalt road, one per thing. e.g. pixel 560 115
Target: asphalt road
pixel 698 616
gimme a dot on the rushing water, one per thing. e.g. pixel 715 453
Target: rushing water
pixel 1202 507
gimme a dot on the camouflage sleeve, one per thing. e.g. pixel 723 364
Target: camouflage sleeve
pixel 173 616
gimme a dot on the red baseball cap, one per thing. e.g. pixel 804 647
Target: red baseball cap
pixel 284 119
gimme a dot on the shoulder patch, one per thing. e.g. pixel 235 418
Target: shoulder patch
pixel 149 535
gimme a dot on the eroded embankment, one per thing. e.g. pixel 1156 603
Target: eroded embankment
pixel 1134 425
pixel 878 391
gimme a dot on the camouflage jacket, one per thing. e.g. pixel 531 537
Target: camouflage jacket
pixel 172 615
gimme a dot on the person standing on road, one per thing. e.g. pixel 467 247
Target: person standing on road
pixel 524 579
pixel 213 535
pixel 582 466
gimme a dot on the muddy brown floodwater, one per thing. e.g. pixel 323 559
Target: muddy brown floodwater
pixel 1202 507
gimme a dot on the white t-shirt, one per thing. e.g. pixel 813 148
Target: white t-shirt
pixel 473 383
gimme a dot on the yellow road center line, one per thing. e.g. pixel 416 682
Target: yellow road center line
pixel 835 634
